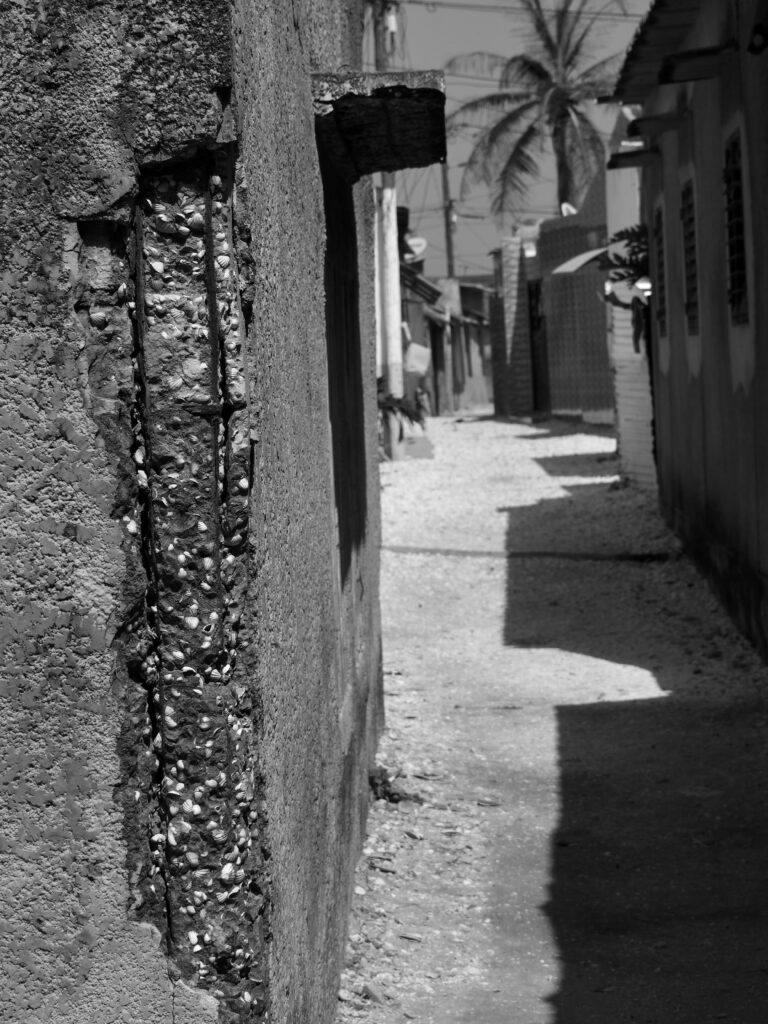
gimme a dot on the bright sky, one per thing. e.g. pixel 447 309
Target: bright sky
pixel 433 32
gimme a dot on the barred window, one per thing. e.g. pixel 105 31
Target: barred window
pixel 691 267
pixel 734 226
pixel 660 284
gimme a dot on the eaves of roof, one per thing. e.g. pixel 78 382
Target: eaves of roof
pixel 659 35
pixel 419 285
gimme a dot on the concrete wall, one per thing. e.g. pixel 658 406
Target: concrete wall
pixel 575 314
pixel 512 358
pixel 711 383
pixel 189 685
pixel 629 362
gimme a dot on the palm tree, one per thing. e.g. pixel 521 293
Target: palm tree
pixel 541 99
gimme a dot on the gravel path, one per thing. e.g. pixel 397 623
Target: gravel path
pixel 585 736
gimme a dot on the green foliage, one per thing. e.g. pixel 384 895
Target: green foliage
pixel 631 264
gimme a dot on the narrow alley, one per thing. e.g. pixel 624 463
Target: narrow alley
pixel 582 735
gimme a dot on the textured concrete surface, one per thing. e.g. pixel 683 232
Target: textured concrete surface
pixel 186 715
pixel 587 730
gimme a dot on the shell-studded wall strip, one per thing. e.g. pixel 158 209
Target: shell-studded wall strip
pixel 205 866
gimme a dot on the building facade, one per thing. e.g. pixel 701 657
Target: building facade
pixel 699 73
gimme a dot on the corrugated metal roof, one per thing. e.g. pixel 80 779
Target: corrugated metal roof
pixel 659 35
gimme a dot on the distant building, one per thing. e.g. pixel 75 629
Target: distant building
pixel 550 351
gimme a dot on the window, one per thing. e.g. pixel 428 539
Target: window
pixel 691 268
pixel 735 231
pixel 660 286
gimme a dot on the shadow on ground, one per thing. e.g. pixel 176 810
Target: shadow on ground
pixel 659 882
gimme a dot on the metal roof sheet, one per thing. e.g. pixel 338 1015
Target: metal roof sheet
pixel 659 35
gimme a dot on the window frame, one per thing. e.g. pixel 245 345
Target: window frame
pixel 659 248
pixel 736 259
pixel 690 252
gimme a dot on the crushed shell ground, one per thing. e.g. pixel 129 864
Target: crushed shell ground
pixel 584 735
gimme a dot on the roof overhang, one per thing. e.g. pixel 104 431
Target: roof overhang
pixel 632 158
pixel 380 122
pixel 419 285
pixel 696 65
pixel 660 34
pixel 654 125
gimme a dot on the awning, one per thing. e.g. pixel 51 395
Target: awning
pixel 418 285
pixel 582 260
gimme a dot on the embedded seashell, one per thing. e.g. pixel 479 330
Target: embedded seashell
pixel 201 527
pixel 193 858
pixel 208 563
pixel 196 223
pixel 243 483
pixel 182 230
pixel 191 621
pixel 122 291
pixel 157 265
pixel 227 872
pixel 193 368
pixel 164 225
pixel 192 936
pixel 132 527
pixel 171 835
pixel 223 261
pixel 215 181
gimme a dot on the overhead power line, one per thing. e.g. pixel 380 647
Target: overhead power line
pixel 471 5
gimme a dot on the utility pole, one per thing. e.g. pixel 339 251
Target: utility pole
pixel 384 29
pixel 449 222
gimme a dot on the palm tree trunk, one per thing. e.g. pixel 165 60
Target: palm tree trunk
pixel 566 185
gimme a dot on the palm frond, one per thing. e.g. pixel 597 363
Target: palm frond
pixel 586 150
pixel 576 45
pixel 524 70
pixel 602 71
pixel 521 165
pixel 491 150
pixel 479 63
pixel 567 22
pixel 541 28
pixel 484 111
